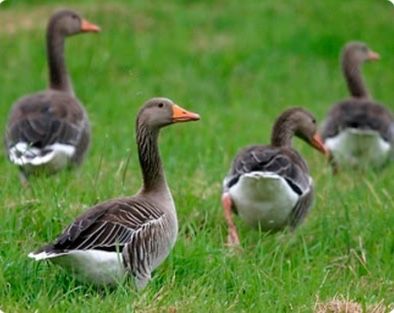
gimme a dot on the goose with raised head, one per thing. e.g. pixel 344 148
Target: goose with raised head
pixel 132 234
pixel 359 132
pixel 50 130
pixel 269 186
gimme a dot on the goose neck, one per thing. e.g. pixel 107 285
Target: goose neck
pixel 154 180
pixel 354 80
pixel 282 133
pixel 58 75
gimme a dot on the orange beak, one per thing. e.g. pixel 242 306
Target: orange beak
pixel 318 144
pixel 181 115
pixel 86 26
pixel 373 56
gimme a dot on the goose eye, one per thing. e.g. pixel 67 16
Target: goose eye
pixel 160 105
pixel 313 121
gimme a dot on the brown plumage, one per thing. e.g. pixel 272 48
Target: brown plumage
pixel 269 185
pixel 358 131
pixel 129 234
pixel 48 130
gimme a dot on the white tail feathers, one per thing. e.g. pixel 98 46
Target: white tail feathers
pixel 57 154
pixel 44 255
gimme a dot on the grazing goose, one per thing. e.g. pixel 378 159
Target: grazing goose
pixel 359 132
pixel 48 130
pixel 269 185
pixel 132 234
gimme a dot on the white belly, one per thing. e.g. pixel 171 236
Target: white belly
pixel 354 147
pixel 263 199
pixel 95 266
pixel 33 159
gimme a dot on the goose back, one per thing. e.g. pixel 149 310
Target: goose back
pixel 284 161
pixel 362 114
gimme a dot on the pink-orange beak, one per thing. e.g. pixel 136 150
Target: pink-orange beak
pixel 179 114
pixel 373 56
pixel 86 26
pixel 318 144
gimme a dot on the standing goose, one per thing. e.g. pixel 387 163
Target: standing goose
pixel 359 132
pixel 132 234
pixel 48 130
pixel 269 185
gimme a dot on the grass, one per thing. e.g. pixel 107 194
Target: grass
pixel 238 64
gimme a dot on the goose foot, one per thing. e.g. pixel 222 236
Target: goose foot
pixel 232 238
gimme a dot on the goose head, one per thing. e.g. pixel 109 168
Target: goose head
pixel 302 124
pixel 159 112
pixel 68 23
pixel 358 53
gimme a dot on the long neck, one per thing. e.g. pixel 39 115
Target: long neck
pixel 354 80
pixel 58 76
pixel 150 162
pixel 282 133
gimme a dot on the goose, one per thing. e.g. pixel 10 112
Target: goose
pixel 49 130
pixel 359 132
pixel 269 186
pixel 131 234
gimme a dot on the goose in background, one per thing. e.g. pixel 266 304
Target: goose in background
pixel 49 130
pixel 131 234
pixel 359 132
pixel 269 186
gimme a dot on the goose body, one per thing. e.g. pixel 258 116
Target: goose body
pixel 269 186
pixel 112 239
pixel 359 148
pixel 359 132
pixel 263 199
pixel 131 235
pixel 46 132
pixel 49 130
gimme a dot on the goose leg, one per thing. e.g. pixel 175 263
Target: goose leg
pixel 227 203
pixel 23 178
pixel 333 163
pixel 142 281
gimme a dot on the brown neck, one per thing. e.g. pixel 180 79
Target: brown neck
pixel 282 133
pixel 58 76
pixel 149 156
pixel 351 70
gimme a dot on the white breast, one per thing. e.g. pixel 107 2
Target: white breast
pixel 94 266
pixel 56 156
pixel 263 199
pixel 355 147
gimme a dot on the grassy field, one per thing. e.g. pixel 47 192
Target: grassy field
pixel 238 64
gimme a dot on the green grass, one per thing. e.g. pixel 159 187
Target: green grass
pixel 239 64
